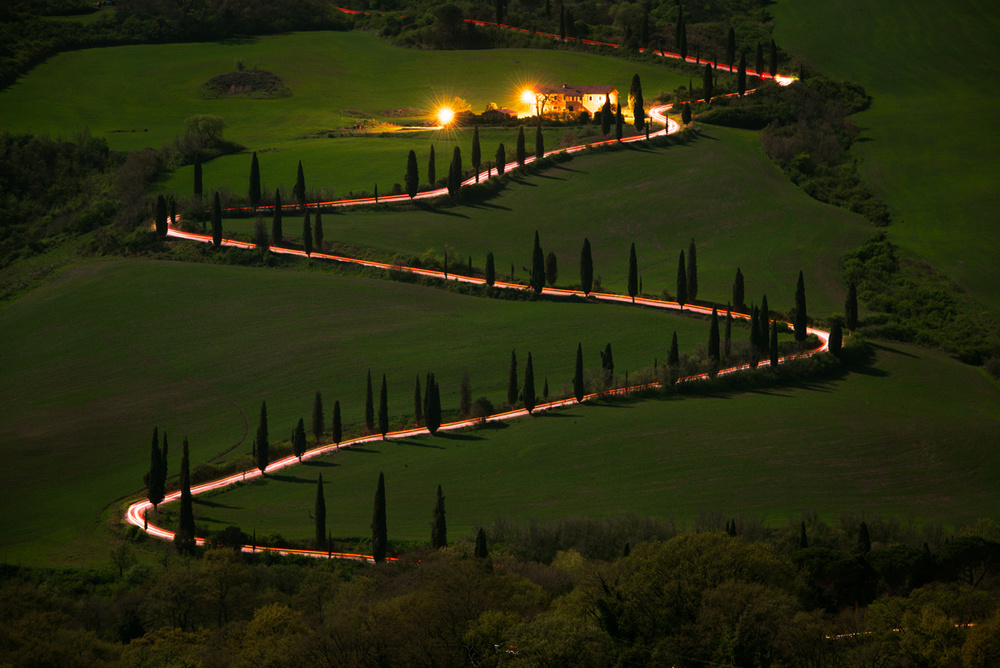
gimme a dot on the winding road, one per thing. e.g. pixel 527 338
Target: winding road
pixel 136 513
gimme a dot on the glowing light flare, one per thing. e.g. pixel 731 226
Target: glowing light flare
pixel 445 115
pixel 528 96
pixel 783 80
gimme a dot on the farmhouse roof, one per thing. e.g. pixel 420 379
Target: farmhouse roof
pixel 574 89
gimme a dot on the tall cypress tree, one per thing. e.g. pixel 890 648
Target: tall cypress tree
pixel 418 404
pixel 864 540
pixel 713 339
pixel 512 386
pixel 253 192
pixel 707 83
pixel 369 406
pixel 741 76
pixel 431 168
pixel 731 48
pixel 319 513
pixel 738 292
pixel 537 267
pixel 692 273
pixel 551 269
pixel 383 410
pixel 491 275
pixel 800 309
pixel 455 173
pixel 216 221
pixel 337 427
pixel 803 540
pixel 774 346
pixel 633 274
pixel 501 158
pixel 521 157
pixel 586 268
pixel 433 412
pixel 380 533
pixel 161 216
pixel 773 62
pixel 836 342
pixel 439 528
pixel 606 116
pixel 155 478
pixel 184 539
pixel 318 231
pixel 682 292
pixel 529 385
pixel 765 316
pixel 686 113
pixel 539 142
pixel 300 187
pixel 276 232
pixel 299 439
pixel 851 308
pixel 317 421
pixel 638 104
pixel 755 342
pixel 562 23
pixel 261 445
pixel 679 32
pixel 477 155
pixel 481 552
pixel 619 124
pixel 578 389
pixel 608 365
pixel 674 357
pixel 412 178
pixel 307 235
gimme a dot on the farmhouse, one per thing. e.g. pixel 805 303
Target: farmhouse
pixel 569 98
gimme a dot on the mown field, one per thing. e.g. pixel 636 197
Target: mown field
pixel 929 141
pixel 111 348
pixel 830 447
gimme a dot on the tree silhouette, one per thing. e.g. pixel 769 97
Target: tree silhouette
pixel 586 268
pixel 682 296
pixel 529 385
pixel 184 539
pixel 476 151
pixel 633 274
pixel 380 534
pixel 412 178
pixel 578 389
pixel 439 528
pixel 253 193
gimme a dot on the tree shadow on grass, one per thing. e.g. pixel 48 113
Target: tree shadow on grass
pixel 429 208
pixel 895 351
pixel 462 436
pixel 214 504
pixel 418 444
pixel 366 450
pixel 289 478
pixel 319 462
pixel 487 205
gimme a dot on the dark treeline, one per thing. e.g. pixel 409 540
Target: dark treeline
pixel 622 591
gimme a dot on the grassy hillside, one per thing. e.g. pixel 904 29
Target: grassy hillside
pixel 111 348
pixel 833 447
pixel 930 138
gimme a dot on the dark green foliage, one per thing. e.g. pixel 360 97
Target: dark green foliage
pixel 803 539
pixel 261 444
pixel 318 231
pixel 529 385
pixel 319 514
pixel 465 396
pixel 376 193
pixel 537 281
pixel 317 421
pixel 606 116
pixel 380 533
pixel 836 342
pixel 686 113
pixel 432 414
pixel 519 151
pixel 633 274
pixel 728 343
pixel 682 296
pixel 161 216
pixel 501 158
pixel 184 539
pixel 539 142
pixel 439 528
pixel 307 235
pixel 741 76
pixel 608 365
pixel 337 427
pixel 680 36
pixel 455 173
pixel 156 477
pixel 253 192
pixel 759 60
pixel 638 104
pixel 800 309
pixel 578 389
pixel 773 63
pixel 491 275
pixel 738 292
pixel 707 80
pixel 562 22
pixel 299 439
pixel 864 545
pixel 412 178
pixel 276 232
pixel 619 124
pixel 713 338
pixel 198 189
pixel 300 187
pixel 477 155
pixel 383 410
pixel 586 268
pixel 216 221
pixel 431 167
pixel 851 308
pixel 774 346
pixel 369 406
pixel 512 386
pixel 730 47
pixel 551 269
pixel 765 314
pixel 692 273
pixel 755 342
pixel 418 404
pixel 481 552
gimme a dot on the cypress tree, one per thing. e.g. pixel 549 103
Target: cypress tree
pixel 851 308
pixel 773 62
pixel 606 116
pixel 197 177
pixel 537 267
pixel 300 187
pixel 154 485
pixel 439 528
pixel 317 423
pixel 184 539
pixel 307 235
pixel 418 404
pixel 755 343
pixel 706 82
pixel 692 273
pixel 562 23
pixel 465 396
pixel 491 275
pixel 319 513
pixel 412 178
pixel 741 76
pixel 216 221
pixel 261 445
pixel 380 533
pixel 836 342
pixel 299 439
pixel 619 124
pixel 774 346
pixel 738 292
pixel 633 274
pixel 713 339
pixel 276 232
pixel 481 552
pixel 803 540
pixel 338 428
pixel 765 316
pixel 431 167
pixel 586 268
pixel 730 48
pixel 638 104
pixel 383 410
pixel 455 173
pixel 539 142
pixel 759 61
pixel 376 193
pixel 369 406
pixel 512 380
pixel 433 412
pixel 800 309
pixel 476 151
pixel 551 269
pixel 520 147
pixel 253 193
pixel 608 365
pixel 501 158
pixel 682 295
pixel 728 346
pixel 318 231
pixel 679 33
pixel 864 540
pixel 686 113
pixel 578 389
pixel 161 216
pixel 529 385
pixel 674 357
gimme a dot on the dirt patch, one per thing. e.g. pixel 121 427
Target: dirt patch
pixel 256 84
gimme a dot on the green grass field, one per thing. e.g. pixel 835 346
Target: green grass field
pixel 930 138
pixel 830 447
pixel 111 348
